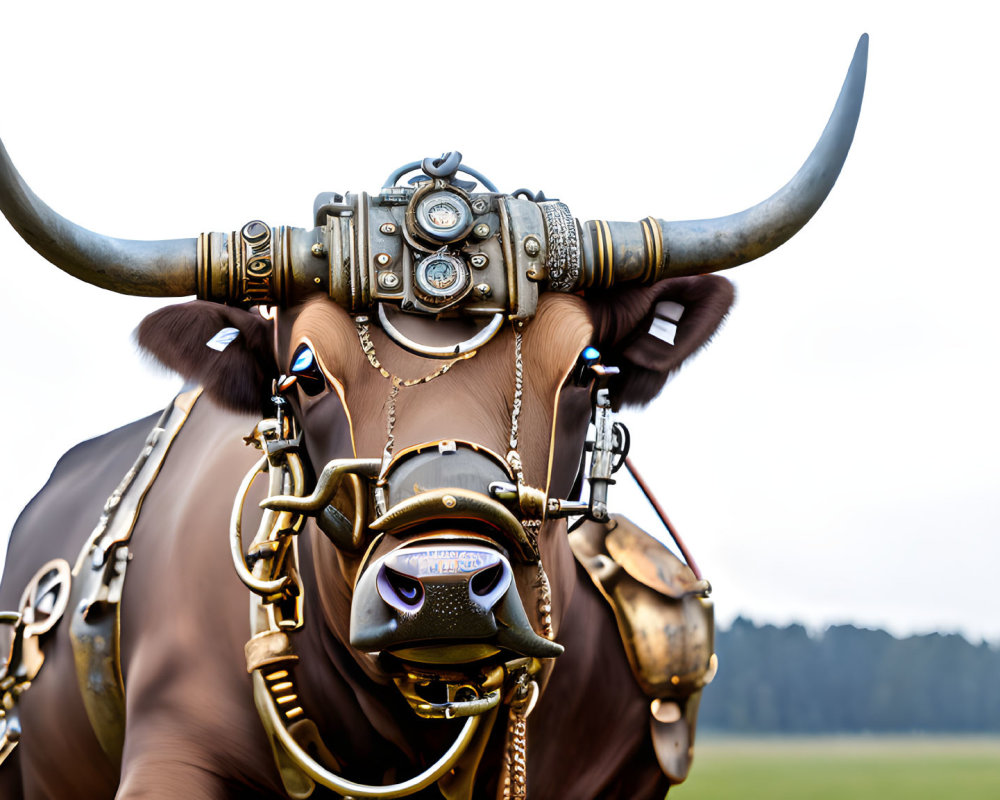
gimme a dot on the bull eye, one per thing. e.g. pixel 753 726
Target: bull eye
pixel 306 369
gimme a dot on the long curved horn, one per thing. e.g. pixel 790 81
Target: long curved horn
pixel 647 251
pixel 165 268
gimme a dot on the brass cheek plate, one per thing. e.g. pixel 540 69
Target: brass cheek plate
pixel 666 623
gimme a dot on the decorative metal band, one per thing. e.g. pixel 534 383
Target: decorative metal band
pixel 563 241
pixel 204 267
pixel 604 255
pixel 252 260
pixel 653 237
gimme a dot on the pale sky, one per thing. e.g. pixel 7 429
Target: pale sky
pixel 832 457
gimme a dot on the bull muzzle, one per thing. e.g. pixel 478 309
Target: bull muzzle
pixel 443 600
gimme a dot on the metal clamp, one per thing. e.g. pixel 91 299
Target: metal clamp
pixel 43 603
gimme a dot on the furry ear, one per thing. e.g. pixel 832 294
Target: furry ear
pixel 648 332
pixel 226 350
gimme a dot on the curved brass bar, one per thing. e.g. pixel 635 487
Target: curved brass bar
pixel 326 486
pixel 614 253
pixel 447 504
pixel 341 785
pixel 165 268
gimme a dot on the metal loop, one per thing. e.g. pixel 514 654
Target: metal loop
pixel 443 167
pixel 256 585
pixel 342 786
pixel 399 172
pixel 448 351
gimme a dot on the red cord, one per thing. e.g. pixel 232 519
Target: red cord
pixel 663 517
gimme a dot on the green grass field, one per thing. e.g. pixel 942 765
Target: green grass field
pixel 844 768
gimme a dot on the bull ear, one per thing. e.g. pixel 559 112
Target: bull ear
pixel 227 350
pixel 648 332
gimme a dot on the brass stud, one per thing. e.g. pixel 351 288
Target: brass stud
pixel 448 501
pixel 483 290
pixel 383 259
pixel 482 230
pixel 318 249
pixel 388 280
pixel 317 280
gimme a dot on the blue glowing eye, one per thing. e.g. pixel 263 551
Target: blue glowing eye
pixel 591 354
pixel 306 369
pixel 304 361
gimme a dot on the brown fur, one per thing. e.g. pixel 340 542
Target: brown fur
pixel 238 378
pixel 442 409
pixel 621 322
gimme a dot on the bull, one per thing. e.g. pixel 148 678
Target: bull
pixel 397 402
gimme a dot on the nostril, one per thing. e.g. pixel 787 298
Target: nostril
pixel 409 590
pixel 486 580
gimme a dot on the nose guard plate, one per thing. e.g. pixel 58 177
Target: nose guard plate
pixel 445 605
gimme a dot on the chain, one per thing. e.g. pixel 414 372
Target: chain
pixel 368 347
pixel 513 457
pixel 515 779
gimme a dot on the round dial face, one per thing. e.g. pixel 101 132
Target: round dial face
pixel 442 276
pixel 443 216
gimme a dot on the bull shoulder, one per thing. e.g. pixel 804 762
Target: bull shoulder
pixel 60 517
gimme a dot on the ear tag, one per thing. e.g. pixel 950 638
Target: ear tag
pixel 664 325
pixel 223 339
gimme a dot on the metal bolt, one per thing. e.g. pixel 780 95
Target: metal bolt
pixel 482 230
pixel 318 249
pixel 448 501
pixel 531 246
pixel 383 259
pixel 388 228
pixel 388 280
pixel 479 260
pixel 479 205
pixel 484 290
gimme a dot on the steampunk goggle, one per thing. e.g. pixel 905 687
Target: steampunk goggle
pixel 437 247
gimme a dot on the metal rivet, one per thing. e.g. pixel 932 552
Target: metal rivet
pixel 531 246
pixel 482 230
pixel 388 280
pixel 388 228
pixel 484 290
pixel 448 501
pixel 479 260
pixel 383 259
pixel 318 249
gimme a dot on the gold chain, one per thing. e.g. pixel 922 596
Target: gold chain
pixel 368 346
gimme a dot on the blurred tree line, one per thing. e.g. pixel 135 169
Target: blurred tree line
pixel 782 680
